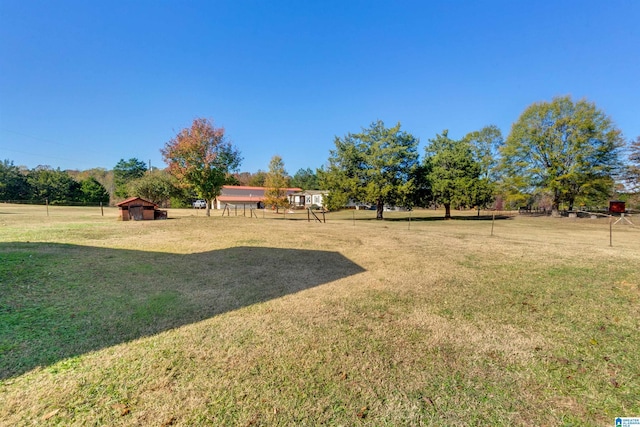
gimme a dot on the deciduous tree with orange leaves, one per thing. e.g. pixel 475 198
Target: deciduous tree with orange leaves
pixel 201 158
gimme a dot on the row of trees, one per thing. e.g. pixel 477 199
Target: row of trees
pixel 557 153
pixel 128 178
pixel 567 152
pixel 53 185
pixel 305 178
pixel 381 166
pixel 91 187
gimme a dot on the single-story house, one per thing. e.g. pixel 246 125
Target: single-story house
pixel 138 209
pixel 239 195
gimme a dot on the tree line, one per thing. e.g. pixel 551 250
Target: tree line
pixel 561 153
pixel 558 154
pixel 45 184
pixel 128 178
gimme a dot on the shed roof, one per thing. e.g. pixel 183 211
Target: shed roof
pixel 133 199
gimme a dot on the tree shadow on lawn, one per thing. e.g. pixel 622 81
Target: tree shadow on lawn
pixel 442 218
pixel 59 301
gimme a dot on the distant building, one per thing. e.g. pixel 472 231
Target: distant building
pixel 253 197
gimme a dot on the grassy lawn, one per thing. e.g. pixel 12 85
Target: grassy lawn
pixel 278 321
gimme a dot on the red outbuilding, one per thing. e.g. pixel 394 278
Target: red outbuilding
pixel 139 209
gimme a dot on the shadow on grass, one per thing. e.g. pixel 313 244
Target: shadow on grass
pixel 59 301
pixel 441 218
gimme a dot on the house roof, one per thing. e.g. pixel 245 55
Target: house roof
pixel 241 187
pixel 240 193
pixel 241 198
pixel 237 190
pixel 133 199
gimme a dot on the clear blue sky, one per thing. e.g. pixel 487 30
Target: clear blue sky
pixel 86 83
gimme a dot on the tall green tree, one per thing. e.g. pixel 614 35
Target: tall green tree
pixel 102 175
pixel 632 175
pixel 306 179
pixel 201 158
pixel 13 183
pixel 276 183
pixel 421 193
pixel 455 174
pixel 126 171
pixel 373 166
pixel 92 192
pixel 486 144
pixel 158 186
pixel 53 185
pixel 564 148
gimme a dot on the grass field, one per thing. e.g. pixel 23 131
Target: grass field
pixel 278 321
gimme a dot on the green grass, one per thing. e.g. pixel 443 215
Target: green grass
pixel 274 321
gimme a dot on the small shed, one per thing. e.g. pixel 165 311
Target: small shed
pixel 138 209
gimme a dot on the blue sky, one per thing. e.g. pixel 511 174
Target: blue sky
pixel 86 83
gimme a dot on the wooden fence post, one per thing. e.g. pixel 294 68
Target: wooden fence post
pixel 611 231
pixel 493 220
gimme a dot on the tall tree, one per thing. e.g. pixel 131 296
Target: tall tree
pixel 54 185
pixel 102 175
pixel 564 148
pixel 158 186
pixel 454 174
pixel 373 166
pixel 92 192
pixel 201 158
pixel 276 183
pixel 126 171
pixel 633 170
pixel 306 179
pixel 422 193
pixel 486 144
pixel 13 183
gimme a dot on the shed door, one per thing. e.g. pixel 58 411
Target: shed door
pixel 135 213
